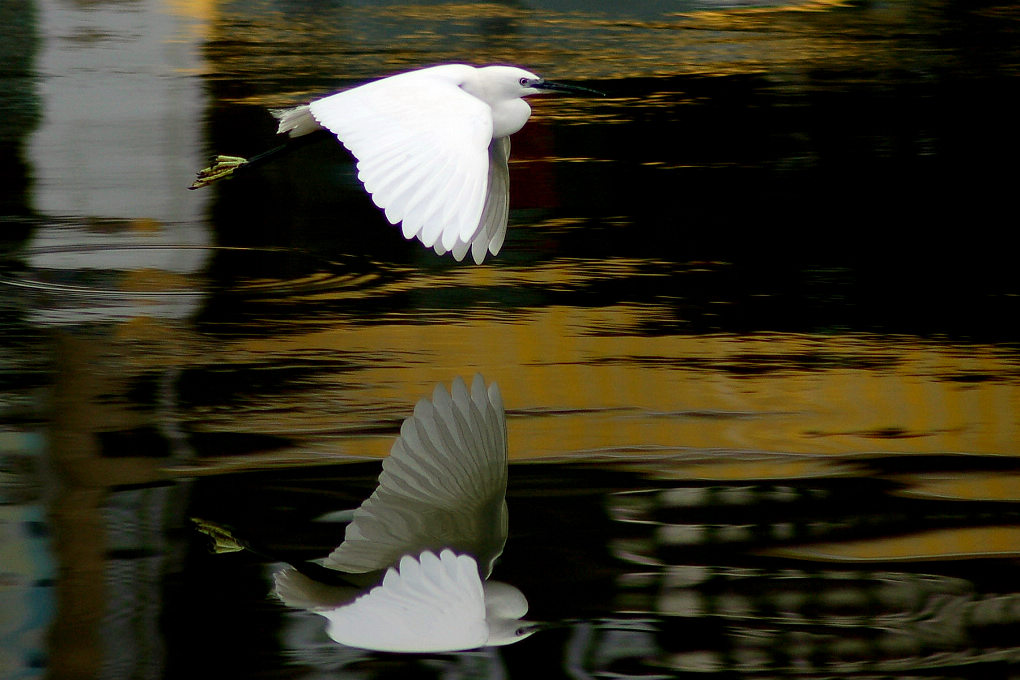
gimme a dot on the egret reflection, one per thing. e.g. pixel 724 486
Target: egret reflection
pixel 411 574
pixel 427 603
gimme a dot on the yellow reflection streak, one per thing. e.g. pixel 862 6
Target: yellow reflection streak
pixel 362 43
pixel 579 380
pixel 971 486
pixel 965 543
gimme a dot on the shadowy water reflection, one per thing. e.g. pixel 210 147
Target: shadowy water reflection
pixel 753 324
pixel 648 575
pixel 411 574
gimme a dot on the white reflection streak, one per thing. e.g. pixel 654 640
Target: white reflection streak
pixel 110 157
pixel 117 137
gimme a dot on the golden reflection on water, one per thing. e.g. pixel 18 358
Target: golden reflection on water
pixel 748 466
pixel 963 543
pixel 589 381
pixel 354 43
pixel 578 381
pixel 973 486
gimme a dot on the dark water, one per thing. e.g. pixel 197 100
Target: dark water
pixel 754 324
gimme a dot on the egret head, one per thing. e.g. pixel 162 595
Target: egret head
pixel 504 607
pixel 504 632
pixel 513 82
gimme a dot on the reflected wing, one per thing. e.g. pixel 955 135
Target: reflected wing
pixel 421 144
pixel 432 605
pixel 443 485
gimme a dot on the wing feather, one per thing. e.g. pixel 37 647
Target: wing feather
pixel 460 250
pixel 421 144
pixel 492 225
pixel 499 192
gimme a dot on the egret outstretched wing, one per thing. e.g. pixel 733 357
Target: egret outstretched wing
pixel 428 604
pixel 422 148
pixel 442 486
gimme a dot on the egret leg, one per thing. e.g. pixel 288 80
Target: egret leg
pixel 225 166
pixel 224 540
pixel 222 168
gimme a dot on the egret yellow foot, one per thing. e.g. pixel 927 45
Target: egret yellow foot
pixel 222 167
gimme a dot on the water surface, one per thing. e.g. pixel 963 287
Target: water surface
pixel 753 322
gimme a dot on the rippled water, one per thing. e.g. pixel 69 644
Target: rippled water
pixel 754 324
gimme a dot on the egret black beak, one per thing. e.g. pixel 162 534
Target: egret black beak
pixel 561 87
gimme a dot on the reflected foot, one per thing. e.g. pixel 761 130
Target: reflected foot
pixel 223 541
pixel 222 167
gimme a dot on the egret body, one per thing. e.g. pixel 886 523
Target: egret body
pixel 432 148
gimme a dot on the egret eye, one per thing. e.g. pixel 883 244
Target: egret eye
pixel 523 82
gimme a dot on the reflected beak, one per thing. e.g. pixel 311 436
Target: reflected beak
pixel 561 87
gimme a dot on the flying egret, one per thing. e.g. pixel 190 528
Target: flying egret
pixel 432 148
pixel 411 574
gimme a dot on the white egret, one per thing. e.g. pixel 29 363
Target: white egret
pixel 432 148
pixel 434 526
